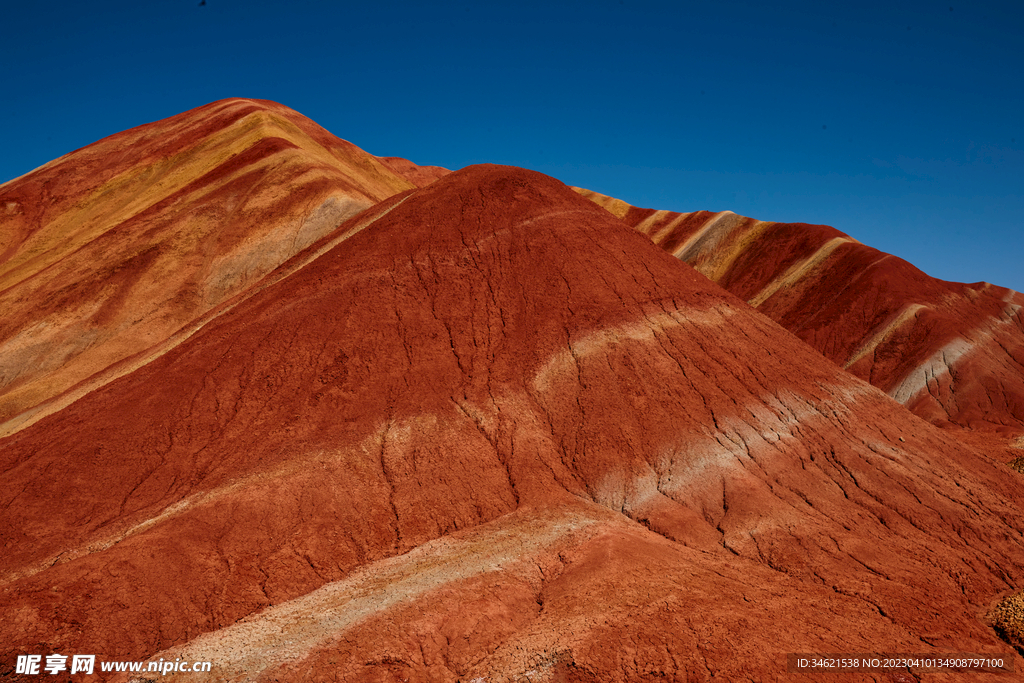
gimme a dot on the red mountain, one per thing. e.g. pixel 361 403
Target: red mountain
pixel 485 431
pixel 952 353
pixel 114 253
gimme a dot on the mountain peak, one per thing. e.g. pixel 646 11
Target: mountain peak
pixel 478 430
pixel 113 250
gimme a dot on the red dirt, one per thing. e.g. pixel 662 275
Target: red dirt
pixel 111 251
pixel 421 176
pixel 953 353
pixel 498 435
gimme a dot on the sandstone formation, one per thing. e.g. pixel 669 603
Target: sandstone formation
pixel 485 431
pixel 420 176
pixel 952 353
pixel 113 253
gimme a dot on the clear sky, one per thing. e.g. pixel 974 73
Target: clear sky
pixel 900 123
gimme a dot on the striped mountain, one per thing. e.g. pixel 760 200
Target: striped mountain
pixel 314 415
pixel 952 353
pixel 114 253
pixel 483 430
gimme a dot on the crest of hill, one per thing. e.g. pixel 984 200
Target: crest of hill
pixel 421 176
pixel 952 353
pixel 111 254
pixel 496 433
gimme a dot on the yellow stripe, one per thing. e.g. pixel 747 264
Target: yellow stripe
pixel 669 228
pixel 646 224
pixel 681 249
pixel 722 260
pixel 615 207
pixel 798 270
pixel 38 412
pixel 135 190
pixel 884 332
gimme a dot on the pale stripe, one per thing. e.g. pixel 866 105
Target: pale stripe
pixel 798 270
pixel 721 260
pixel 36 413
pixel 884 332
pixel 561 364
pixel 669 227
pixel 139 188
pixel 681 249
pixel 615 207
pixel 300 627
pixel 934 367
pixel 942 361
pixel 646 224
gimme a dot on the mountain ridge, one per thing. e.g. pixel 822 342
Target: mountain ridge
pixel 951 352
pixel 493 349
pixel 179 216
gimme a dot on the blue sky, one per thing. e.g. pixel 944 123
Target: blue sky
pixel 901 125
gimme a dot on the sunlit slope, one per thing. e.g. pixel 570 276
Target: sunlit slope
pixel 110 250
pixel 421 176
pixel 496 433
pixel 951 352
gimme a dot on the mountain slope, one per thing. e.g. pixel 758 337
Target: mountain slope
pixel 420 176
pixel 494 433
pixel 952 353
pixel 112 251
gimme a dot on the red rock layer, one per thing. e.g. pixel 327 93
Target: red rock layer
pixel 112 251
pixel 497 435
pixel 953 353
pixel 420 176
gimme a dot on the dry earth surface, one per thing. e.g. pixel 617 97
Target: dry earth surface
pixel 472 428
pixel 952 353
pixel 113 253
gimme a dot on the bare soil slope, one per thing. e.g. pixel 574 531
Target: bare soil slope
pixel 953 353
pixel 421 176
pixel 497 435
pixel 113 253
